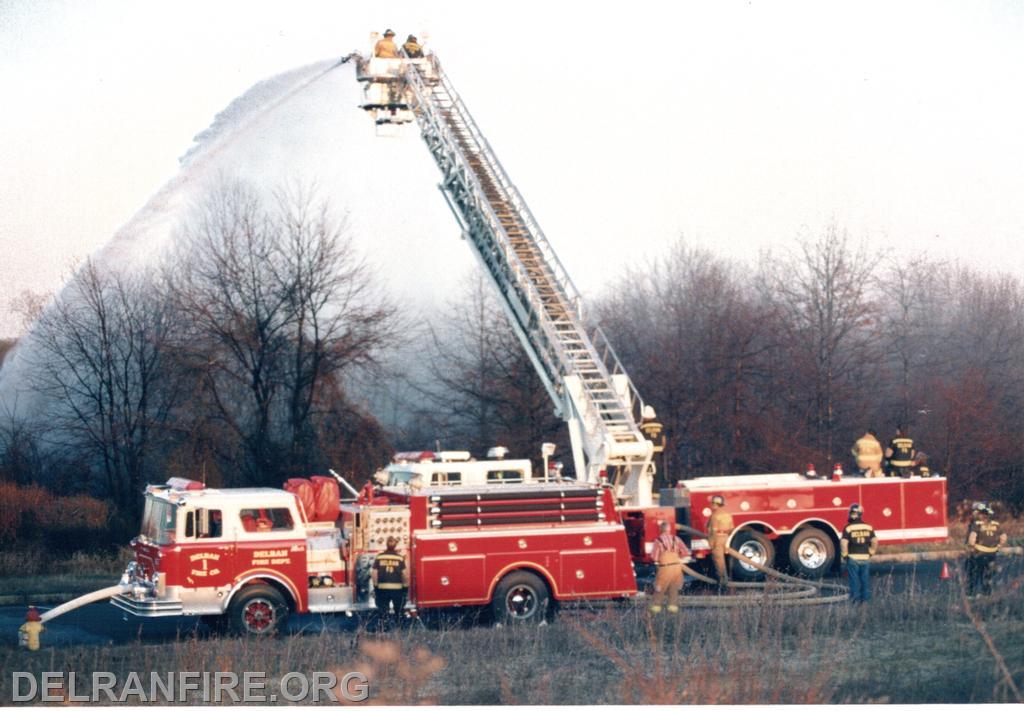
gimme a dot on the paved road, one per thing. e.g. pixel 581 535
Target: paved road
pixel 102 623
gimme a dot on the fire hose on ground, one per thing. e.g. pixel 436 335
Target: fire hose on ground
pixel 779 589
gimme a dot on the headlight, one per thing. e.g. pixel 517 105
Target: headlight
pixel 700 544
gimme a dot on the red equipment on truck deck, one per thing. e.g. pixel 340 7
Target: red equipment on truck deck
pixel 327 497
pixel 303 490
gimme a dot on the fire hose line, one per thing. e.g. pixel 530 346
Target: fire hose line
pixel 779 589
pixel 784 590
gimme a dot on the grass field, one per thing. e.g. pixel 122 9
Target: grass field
pixel 26 574
pixel 905 647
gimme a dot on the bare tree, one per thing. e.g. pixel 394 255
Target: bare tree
pixel 824 294
pixel 908 329
pixel 694 339
pixel 338 322
pixel 280 310
pixel 99 354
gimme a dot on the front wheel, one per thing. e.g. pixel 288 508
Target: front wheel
pixel 258 610
pixel 753 546
pixel 811 553
pixel 520 598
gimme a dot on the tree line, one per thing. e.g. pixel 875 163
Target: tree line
pixel 768 366
pixel 227 361
pixel 237 360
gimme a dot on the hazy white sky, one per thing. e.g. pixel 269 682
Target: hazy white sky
pixel 736 124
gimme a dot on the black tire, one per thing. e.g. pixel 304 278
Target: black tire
pixel 756 546
pixel 521 598
pixel 258 610
pixel 811 552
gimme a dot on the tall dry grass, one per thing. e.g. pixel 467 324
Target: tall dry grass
pixel 908 646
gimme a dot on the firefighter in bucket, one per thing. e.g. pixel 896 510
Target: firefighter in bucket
pixel 669 555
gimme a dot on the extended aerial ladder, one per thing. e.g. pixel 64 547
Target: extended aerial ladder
pixel 589 387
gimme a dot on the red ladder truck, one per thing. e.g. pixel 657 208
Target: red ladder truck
pixel 781 518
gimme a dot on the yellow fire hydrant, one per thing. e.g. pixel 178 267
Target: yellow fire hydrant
pixel 28 633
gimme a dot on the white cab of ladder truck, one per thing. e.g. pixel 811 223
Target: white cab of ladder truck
pixel 447 468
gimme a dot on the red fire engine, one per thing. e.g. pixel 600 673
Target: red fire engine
pixel 248 557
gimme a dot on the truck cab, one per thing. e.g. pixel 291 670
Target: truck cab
pixel 198 547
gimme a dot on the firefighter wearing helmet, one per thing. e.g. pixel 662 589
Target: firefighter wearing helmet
pixel 412 48
pixel 720 525
pixel 669 555
pixel 857 544
pixel 390 580
pixel 386 48
pixel 984 538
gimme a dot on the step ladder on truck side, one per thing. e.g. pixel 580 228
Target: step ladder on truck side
pixel 590 389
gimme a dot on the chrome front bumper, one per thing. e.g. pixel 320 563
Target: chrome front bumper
pixel 148 606
pixel 141 596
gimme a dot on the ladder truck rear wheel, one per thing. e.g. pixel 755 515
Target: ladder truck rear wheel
pixel 811 552
pixel 521 598
pixel 757 547
pixel 258 610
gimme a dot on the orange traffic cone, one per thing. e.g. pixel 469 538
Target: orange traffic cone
pixel 944 574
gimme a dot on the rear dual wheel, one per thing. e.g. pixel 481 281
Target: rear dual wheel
pixel 811 553
pixel 755 547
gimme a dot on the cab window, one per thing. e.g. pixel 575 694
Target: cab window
pixel 204 523
pixel 505 477
pixel 396 478
pixel 446 478
pixel 266 520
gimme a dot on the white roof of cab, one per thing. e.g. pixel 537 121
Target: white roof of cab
pixel 248 497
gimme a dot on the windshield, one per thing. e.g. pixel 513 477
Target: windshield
pixel 158 521
pixel 397 477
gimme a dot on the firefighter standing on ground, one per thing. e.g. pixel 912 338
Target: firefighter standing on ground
pixel 868 453
pixel 857 545
pixel 28 633
pixel 669 554
pixel 984 539
pixel 390 579
pixel 900 453
pixel 720 525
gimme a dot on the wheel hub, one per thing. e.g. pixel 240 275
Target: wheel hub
pixel 812 553
pixel 258 615
pixel 753 551
pixel 521 601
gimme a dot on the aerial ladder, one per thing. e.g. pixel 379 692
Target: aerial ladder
pixel 590 389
